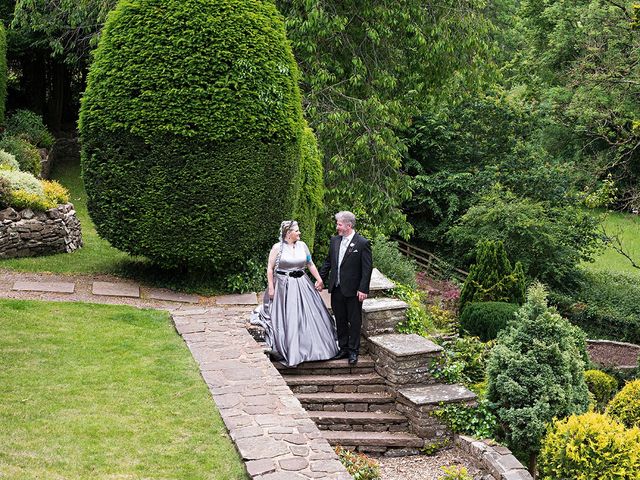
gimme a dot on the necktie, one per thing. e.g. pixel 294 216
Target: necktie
pixel 343 249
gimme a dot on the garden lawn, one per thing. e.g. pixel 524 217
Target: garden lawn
pixel 96 392
pixel 627 227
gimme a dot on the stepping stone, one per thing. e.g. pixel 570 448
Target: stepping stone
pixel 115 289
pixel 238 299
pixel 170 296
pixel 435 394
pixel 51 287
pixel 382 439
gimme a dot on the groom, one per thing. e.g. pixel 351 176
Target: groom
pixel 349 267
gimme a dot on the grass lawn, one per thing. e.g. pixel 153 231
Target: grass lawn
pixel 627 227
pixel 104 392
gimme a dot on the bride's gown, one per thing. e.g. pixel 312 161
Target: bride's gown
pixel 298 325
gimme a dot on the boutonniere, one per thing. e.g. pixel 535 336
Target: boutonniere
pixel 352 245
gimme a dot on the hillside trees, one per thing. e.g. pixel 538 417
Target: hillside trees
pixel 584 57
pixel 367 69
pixel 192 132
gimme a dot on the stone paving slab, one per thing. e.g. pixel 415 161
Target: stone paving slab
pixel 402 344
pixel 50 287
pixel 379 281
pixel 110 289
pixel 238 299
pixel 273 433
pixel 170 296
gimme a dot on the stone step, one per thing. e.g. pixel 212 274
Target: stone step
pixel 328 367
pixel 360 421
pixel 434 395
pixel 373 439
pixel 350 402
pixel 347 383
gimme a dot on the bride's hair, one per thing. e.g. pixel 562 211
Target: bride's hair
pixel 285 226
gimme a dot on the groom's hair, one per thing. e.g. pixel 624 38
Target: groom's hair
pixel 346 217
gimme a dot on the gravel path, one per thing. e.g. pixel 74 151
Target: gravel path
pixel 423 467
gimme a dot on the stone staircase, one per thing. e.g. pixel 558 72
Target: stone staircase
pixel 384 404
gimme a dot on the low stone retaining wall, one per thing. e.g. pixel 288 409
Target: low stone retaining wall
pixel 496 459
pixel 28 234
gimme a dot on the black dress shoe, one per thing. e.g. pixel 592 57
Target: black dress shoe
pixel 341 354
pixel 353 358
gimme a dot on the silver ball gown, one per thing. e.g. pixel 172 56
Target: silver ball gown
pixel 297 323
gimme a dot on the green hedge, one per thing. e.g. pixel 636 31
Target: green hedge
pixel 191 130
pixel 486 319
pixel 604 304
pixel 309 200
pixel 3 71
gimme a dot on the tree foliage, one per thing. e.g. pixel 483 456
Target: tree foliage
pixel 366 68
pixel 191 127
pixel 3 71
pixel 536 372
pixel 491 278
pixel 548 240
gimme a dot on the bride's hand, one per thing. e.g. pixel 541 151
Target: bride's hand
pixel 319 285
pixel 272 291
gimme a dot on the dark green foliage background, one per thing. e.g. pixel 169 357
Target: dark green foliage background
pixel 486 319
pixel 604 304
pixel 191 131
pixel 3 71
pixel 492 278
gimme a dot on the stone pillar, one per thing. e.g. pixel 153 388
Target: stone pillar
pixel 381 315
pixel 404 359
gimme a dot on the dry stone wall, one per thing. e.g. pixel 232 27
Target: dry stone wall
pixel 27 234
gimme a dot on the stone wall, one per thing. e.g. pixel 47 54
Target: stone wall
pixel 494 458
pixel 27 234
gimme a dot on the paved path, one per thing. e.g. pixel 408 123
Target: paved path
pixel 273 433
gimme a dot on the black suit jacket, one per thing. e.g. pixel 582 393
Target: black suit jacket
pixel 355 271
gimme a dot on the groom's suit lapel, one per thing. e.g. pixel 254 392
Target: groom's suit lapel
pixel 352 246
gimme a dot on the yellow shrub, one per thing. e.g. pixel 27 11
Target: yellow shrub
pixel 625 406
pixel 602 386
pixel 55 192
pixel 19 199
pixel 590 446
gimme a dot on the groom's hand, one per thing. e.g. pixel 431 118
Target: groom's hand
pixel 362 296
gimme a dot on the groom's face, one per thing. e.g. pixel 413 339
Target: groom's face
pixel 343 228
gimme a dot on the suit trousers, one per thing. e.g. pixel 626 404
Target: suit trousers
pixel 348 313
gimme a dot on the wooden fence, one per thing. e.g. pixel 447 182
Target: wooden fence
pixel 434 266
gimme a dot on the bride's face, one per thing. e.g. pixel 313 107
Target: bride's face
pixel 293 235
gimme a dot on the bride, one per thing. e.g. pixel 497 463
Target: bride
pixel 298 326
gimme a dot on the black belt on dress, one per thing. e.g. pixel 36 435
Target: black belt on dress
pixel 294 274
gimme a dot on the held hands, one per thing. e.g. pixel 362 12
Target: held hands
pixel 319 285
pixel 362 296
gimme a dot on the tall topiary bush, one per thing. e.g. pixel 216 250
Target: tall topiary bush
pixel 191 130
pixel 491 278
pixel 535 373
pixel 3 71
pixel 309 200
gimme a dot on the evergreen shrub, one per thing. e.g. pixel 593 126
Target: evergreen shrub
pixel 590 446
pixel 536 373
pixel 3 71
pixel 23 181
pixel 309 202
pixel 602 386
pixel 391 263
pixel 492 278
pixel 8 161
pixel 486 319
pixel 28 125
pixel 191 128
pixel 625 406
pixel 26 154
